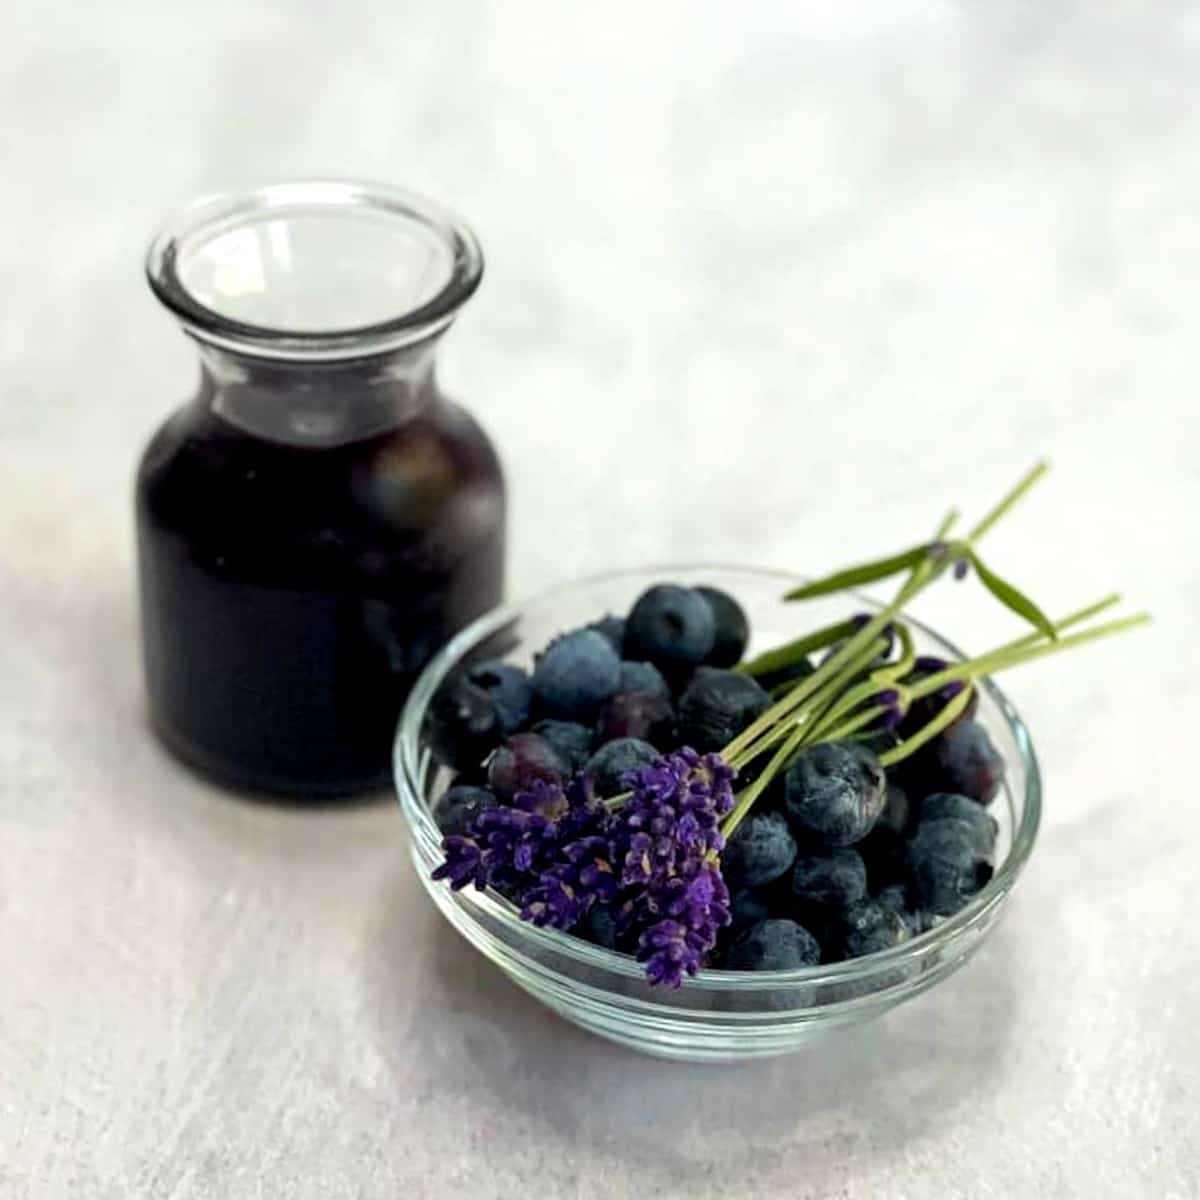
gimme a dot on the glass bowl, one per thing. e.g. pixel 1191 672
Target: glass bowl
pixel 716 1016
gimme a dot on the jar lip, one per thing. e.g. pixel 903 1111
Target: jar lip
pixel 217 215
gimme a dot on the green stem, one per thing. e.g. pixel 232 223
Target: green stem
pixel 843 731
pixel 830 695
pixel 760 785
pixel 820 730
pixel 781 731
pixel 947 716
pixel 894 672
pixel 948 523
pixel 1082 614
pixel 792 652
pixel 1014 654
pixel 1009 501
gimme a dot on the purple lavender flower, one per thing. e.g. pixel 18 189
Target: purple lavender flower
pixel 667 839
pixel 462 864
pixel 567 890
pixel 697 906
pixel 653 861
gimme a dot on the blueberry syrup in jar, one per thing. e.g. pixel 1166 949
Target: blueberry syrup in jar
pixel 319 518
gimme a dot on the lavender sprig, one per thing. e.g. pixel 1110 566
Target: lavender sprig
pixel 558 852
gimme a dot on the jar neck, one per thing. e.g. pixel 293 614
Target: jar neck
pixel 318 403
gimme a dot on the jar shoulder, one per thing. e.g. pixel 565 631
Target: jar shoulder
pixel 197 459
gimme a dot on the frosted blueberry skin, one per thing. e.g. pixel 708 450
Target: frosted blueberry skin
pixel 946 866
pixel 895 896
pixel 642 677
pixel 867 927
pixel 572 740
pixel 830 881
pixel 948 806
pixel 716 706
pixel 837 791
pixel 760 851
pixel 575 674
pixel 609 764
pixel 776 944
pixel 747 907
pixel 672 627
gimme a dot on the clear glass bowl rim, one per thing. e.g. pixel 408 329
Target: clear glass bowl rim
pixel 406 769
pixel 221 211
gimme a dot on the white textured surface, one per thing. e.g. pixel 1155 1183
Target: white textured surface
pixel 767 283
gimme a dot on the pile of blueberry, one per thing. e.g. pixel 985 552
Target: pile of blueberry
pixel 835 860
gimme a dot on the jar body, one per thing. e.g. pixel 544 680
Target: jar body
pixel 293 585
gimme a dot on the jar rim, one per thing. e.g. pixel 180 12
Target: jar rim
pixel 216 216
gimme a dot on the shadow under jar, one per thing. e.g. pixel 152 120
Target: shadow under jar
pixel 319 518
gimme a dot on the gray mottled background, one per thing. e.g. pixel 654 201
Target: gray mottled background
pixel 767 282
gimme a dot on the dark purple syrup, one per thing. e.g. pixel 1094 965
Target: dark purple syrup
pixel 291 594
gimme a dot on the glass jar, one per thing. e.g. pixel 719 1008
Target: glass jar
pixel 318 519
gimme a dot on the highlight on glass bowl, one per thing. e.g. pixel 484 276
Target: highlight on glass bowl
pixel 711 812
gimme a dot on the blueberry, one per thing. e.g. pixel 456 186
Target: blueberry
pixel 833 880
pixel 943 806
pixel 867 927
pixel 612 629
pixel 649 716
pixel 883 849
pixel 760 850
pixel 962 760
pixel 897 815
pixel 510 689
pixel 945 865
pixel 600 927
pixel 462 725
pixel 895 897
pixel 717 706
pixel 457 808
pixel 747 907
pixel 520 760
pixel 773 945
pixel 836 790
pixel 642 677
pixel 576 673
pixel 670 626
pixel 731 628
pixel 609 764
pixel 572 740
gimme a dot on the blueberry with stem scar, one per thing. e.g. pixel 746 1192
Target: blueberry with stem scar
pixel 509 687
pixel 670 626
